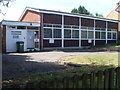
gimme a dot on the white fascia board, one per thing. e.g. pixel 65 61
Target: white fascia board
pixel 75 15
pixel 17 23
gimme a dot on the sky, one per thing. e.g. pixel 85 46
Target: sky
pixel 15 9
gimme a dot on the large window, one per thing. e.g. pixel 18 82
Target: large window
pixel 57 33
pixel 97 35
pixel 90 34
pixel 67 33
pixel 109 35
pixel 83 34
pixel 47 33
pixel 103 35
pixel 75 34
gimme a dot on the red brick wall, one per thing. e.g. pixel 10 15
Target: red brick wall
pixel 100 24
pixel 31 16
pixel 87 22
pixel 4 38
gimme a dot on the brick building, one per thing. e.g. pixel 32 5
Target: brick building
pixel 47 29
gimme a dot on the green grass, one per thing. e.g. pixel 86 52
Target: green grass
pixel 115 45
pixel 98 59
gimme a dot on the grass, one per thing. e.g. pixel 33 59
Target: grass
pixel 98 59
pixel 92 63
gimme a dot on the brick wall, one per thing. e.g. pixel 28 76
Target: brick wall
pixel 31 16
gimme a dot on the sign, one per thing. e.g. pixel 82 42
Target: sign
pixel 15 36
pixel 89 41
pixel 51 40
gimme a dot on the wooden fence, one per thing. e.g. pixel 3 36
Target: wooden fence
pixel 109 78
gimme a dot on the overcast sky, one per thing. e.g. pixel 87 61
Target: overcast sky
pixel 16 8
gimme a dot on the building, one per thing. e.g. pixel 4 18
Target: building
pixel 47 29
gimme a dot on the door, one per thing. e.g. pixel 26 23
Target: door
pixel 30 40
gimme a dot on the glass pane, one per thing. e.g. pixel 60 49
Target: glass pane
pixel 83 27
pixel 57 26
pixel 114 35
pixel 32 28
pixel 76 27
pixel 11 27
pixel 15 32
pixel 109 35
pixel 103 35
pixel 83 34
pixel 47 33
pixel 103 29
pixel 57 33
pixel 66 26
pixel 97 28
pixel 47 25
pixel 21 27
pixel 75 34
pixel 90 34
pixel 91 28
pixel 97 35
pixel 67 33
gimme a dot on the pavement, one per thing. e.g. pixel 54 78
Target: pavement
pixel 16 65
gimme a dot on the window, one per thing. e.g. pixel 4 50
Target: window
pixel 76 27
pixel 109 35
pixel 15 32
pixel 21 27
pixel 114 35
pixel 57 33
pixel 91 28
pixel 66 26
pixel 90 34
pixel 47 25
pixel 97 28
pixel 47 33
pixel 103 35
pixel 57 26
pixel 83 27
pixel 32 28
pixel 11 27
pixel 75 34
pixel 67 33
pixel 83 34
pixel 97 35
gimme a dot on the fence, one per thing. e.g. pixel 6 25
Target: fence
pixel 109 78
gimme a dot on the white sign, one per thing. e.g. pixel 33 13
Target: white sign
pixel 89 41
pixel 51 40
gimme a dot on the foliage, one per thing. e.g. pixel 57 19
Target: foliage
pixel 83 10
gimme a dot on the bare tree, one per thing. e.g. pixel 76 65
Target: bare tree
pixel 4 3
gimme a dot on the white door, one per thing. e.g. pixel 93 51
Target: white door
pixel 30 40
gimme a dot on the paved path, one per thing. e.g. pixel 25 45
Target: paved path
pixel 22 64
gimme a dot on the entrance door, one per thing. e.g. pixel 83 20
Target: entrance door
pixel 30 40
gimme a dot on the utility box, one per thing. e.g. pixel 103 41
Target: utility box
pixel 20 46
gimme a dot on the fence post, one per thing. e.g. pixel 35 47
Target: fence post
pixel 84 81
pixel 76 81
pixel 118 77
pixel 66 83
pixel 111 78
pixel 106 79
pixel 92 80
pixel 100 74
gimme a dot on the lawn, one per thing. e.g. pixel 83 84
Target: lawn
pixel 91 63
pixel 97 59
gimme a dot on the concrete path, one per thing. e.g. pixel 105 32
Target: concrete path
pixel 23 64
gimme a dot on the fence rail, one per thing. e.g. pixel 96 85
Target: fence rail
pixel 109 78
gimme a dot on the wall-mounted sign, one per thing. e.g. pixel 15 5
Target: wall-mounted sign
pixel 15 36
pixel 51 40
pixel 89 41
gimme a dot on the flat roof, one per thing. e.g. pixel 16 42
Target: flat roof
pixel 19 23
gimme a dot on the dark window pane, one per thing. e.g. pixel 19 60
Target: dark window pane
pixel 97 35
pixel 67 33
pixel 75 34
pixel 109 35
pixel 21 27
pixel 33 28
pixel 114 35
pixel 90 34
pixel 103 35
pixel 47 33
pixel 57 33
pixel 83 34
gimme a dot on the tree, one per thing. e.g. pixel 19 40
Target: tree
pixel 83 10
pixel 4 3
